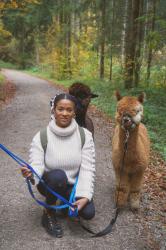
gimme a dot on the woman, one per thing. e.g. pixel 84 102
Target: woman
pixel 64 159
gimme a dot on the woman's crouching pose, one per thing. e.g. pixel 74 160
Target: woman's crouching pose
pixel 64 158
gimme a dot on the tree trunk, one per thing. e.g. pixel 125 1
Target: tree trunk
pixel 111 37
pixel 138 47
pixel 124 30
pixel 146 30
pixel 102 44
pixel 68 45
pixel 127 42
pixel 130 42
pixel 22 47
pixel 149 56
pixel 37 55
pixel 66 29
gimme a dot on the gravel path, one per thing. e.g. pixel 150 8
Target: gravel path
pixel 20 226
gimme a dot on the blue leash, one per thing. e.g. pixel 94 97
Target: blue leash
pixel 68 204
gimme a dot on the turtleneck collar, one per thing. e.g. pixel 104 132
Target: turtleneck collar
pixel 62 131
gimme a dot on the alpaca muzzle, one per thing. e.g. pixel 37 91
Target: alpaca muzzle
pixel 127 122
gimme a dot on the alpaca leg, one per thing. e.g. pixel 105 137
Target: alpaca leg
pixel 122 189
pixel 135 188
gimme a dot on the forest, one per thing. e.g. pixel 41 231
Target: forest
pixel 108 44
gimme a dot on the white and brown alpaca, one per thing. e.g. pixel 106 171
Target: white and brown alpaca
pixel 128 117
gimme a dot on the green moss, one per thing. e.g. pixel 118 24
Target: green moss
pixel 2 78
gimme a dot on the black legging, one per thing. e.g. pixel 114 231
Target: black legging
pixel 57 181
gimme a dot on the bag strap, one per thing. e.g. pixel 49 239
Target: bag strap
pixel 44 140
pixel 82 135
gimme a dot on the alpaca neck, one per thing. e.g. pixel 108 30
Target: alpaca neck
pixel 80 118
pixel 133 135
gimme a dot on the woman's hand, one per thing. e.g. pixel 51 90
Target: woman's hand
pixel 26 172
pixel 81 203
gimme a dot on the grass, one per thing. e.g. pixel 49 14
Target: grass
pixel 8 65
pixel 2 80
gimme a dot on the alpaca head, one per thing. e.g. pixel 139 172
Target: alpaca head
pixel 83 94
pixel 129 111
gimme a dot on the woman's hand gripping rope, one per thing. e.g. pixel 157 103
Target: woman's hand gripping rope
pixel 80 203
pixel 27 173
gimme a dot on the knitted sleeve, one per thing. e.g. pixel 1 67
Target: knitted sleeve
pixel 36 157
pixel 85 185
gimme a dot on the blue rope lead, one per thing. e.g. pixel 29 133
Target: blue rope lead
pixel 68 204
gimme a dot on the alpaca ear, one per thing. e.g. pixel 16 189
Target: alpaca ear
pixel 142 97
pixel 118 95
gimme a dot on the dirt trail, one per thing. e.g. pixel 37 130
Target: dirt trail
pixel 20 226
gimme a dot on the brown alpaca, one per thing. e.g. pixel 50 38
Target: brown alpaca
pixel 83 94
pixel 128 119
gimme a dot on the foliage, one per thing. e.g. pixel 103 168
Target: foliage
pixel 14 4
pixel 67 35
pixel 153 39
pixel 8 65
pixel 2 78
pixel 4 34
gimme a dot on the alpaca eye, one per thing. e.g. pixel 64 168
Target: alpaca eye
pixel 138 111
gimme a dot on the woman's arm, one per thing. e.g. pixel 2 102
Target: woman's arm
pixel 36 157
pixel 85 185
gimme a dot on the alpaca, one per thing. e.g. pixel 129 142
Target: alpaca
pixel 128 118
pixel 83 94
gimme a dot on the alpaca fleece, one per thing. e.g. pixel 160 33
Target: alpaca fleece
pixel 128 183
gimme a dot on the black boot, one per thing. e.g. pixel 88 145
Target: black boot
pixel 51 225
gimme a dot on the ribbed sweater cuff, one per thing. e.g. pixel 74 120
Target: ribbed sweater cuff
pixel 84 195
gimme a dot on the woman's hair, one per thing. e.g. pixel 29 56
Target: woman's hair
pixel 62 96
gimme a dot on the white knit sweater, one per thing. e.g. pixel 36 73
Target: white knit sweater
pixel 64 151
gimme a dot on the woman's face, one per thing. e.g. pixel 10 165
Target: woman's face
pixel 64 112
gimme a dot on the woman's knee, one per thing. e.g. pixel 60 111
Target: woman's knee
pixel 88 212
pixel 56 177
